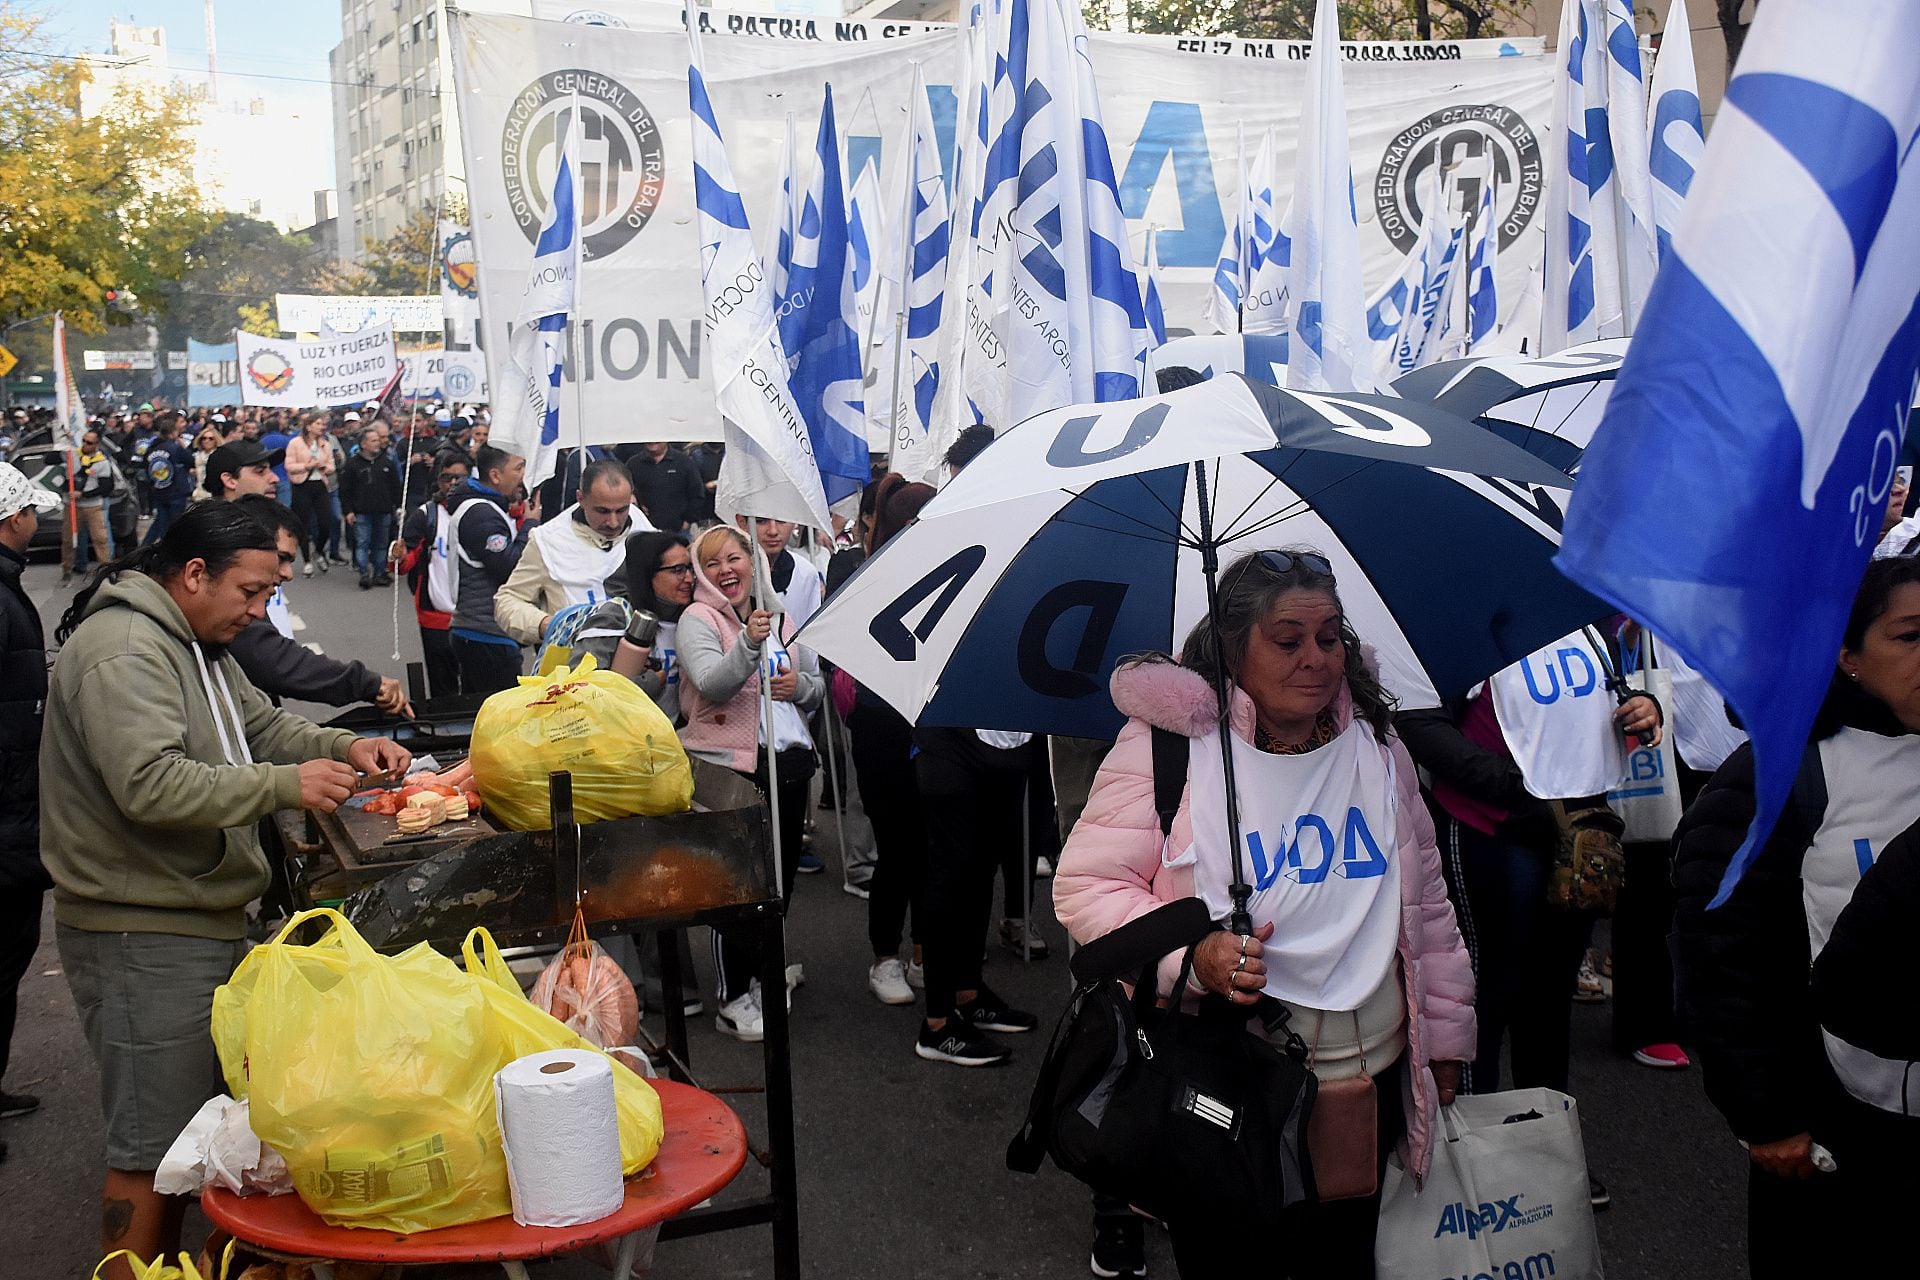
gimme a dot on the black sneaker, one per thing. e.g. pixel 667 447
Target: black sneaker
pixel 1119 1247
pixel 1597 1192
pixel 989 1012
pixel 960 1044
pixel 17 1104
pixel 366 582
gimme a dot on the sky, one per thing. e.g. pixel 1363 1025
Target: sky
pixel 275 49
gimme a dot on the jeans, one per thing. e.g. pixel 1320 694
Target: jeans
pixel 372 535
pixel 339 523
pixel 165 512
pixel 484 667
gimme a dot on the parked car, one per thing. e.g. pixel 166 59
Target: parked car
pixel 44 465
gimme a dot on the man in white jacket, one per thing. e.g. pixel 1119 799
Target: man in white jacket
pixel 568 559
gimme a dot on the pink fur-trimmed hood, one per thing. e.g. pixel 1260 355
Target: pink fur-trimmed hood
pixel 1169 696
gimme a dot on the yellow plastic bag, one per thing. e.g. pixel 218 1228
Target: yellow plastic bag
pixel 528 1029
pixel 620 748
pixel 373 1075
pixel 161 1269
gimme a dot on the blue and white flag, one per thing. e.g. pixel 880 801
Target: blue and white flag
pixel 1264 309
pixel 1075 332
pixel 1627 131
pixel 1736 486
pixel 786 213
pixel 1677 137
pixel 1249 277
pixel 1483 267
pixel 769 468
pixel 819 325
pixel 1600 247
pixel 1155 311
pixel 866 242
pixel 1411 319
pixel 1327 299
pixel 526 420
pixel 928 231
pixel 1232 268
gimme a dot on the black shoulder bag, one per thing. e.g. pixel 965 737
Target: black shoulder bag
pixel 1185 1116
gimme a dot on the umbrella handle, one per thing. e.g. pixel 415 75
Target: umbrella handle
pixel 1240 920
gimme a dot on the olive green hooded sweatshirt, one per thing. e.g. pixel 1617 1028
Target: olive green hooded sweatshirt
pixel 148 799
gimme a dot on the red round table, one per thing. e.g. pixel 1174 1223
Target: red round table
pixel 703 1148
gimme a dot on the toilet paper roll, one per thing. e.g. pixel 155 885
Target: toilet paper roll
pixel 560 1131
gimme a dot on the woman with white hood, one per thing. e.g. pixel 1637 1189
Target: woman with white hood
pixel 727 645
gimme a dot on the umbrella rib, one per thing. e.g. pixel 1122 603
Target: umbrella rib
pixel 1153 537
pixel 1081 495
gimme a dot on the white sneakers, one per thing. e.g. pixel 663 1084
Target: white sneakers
pixel 887 979
pixel 741 1018
pixel 916 975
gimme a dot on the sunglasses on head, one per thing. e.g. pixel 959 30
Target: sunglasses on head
pixel 1285 562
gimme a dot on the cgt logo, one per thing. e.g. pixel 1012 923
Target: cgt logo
pixel 623 167
pixel 1477 143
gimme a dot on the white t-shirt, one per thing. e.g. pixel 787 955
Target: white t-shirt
pixel 1321 836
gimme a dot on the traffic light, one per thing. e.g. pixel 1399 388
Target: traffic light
pixel 122 299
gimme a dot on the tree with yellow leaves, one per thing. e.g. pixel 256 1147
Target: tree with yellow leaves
pixel 88 203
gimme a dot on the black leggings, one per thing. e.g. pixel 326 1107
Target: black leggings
pixel 882 745
pixel 313 507
pixel 974 811
pixel 1526 956
pixel 736 952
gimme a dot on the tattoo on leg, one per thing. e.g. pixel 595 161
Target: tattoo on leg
pixel 116 1218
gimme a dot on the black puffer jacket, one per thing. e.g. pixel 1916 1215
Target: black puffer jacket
pixel 23 701
pixel 1741 969
pixel 1858 991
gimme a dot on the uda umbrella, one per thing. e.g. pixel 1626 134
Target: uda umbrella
pixel 1089 533
pixel 1550 406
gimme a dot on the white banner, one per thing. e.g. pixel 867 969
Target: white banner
pixel 465 363
pixel 423 372
pixel 95 361
pixel 1172 107
pixel 319 374
pixel 351 313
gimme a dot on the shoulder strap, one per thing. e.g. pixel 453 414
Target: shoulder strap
pixel 1809 794
pixel 1170 751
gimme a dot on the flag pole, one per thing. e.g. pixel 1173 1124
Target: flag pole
pixel 912 191
pixel 1245 280
pixel 579 283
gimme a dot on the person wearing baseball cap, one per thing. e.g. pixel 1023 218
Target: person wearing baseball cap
pixel 23 696
pixel 242 466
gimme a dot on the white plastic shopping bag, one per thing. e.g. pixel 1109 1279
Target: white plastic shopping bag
pixel 1506 1198
pixel 1648 801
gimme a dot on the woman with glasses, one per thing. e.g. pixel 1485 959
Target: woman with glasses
pixel 1353 938
pixel 659 573
pixel 204 443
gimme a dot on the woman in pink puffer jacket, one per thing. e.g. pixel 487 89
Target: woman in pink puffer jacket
pixel 1354 934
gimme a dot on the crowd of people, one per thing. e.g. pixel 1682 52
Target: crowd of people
pixel 1455 971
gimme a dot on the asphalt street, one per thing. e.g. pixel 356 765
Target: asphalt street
pixel 901 1162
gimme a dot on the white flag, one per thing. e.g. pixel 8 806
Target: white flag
pixel 1677 139
pixel 526 419
pixel 769 469
pixel 1329 349
pixel 1075 332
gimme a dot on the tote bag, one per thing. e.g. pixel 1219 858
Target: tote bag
pixel 1506 1196
pixel 1648 801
